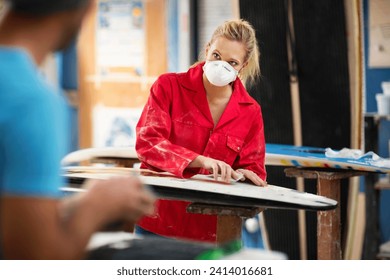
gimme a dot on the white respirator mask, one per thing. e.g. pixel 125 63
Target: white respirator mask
pixel 219 72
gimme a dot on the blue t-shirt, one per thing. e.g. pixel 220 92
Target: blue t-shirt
pixel 32 129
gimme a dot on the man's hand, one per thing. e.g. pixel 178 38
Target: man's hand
pixel 116 199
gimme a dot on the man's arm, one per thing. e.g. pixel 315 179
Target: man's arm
pixel 45 228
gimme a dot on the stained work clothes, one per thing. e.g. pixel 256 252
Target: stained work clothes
pixel 176 126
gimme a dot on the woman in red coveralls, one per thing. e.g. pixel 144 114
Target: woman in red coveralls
pixel 201 122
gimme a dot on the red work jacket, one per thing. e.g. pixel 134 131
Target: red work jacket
pixel 176 126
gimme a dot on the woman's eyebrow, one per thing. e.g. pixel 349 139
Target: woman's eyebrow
pixel 229 59
pixel 234 59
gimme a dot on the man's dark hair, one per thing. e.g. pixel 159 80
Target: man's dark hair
pixel 45 7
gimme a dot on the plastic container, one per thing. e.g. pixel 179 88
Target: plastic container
pixel 383 102
pixel 386 88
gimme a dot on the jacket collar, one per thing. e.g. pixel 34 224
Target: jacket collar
pixel 193 82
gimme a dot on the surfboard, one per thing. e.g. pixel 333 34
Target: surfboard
pixel 102 152
pixel 276 155
pixel 204 189
pixel 305 156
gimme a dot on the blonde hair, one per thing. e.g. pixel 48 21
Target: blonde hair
pixel 241 31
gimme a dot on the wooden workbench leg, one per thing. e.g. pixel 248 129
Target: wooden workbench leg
pixel 328 224
pixel 228 228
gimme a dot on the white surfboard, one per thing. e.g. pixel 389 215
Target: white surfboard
pixel 104 152
pixel 204 189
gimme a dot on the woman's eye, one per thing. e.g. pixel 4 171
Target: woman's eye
pixel 233 63
pixel 216 56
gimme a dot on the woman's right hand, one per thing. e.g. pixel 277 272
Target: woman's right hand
pixel 216 167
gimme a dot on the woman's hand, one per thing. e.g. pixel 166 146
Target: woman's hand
pixel 248 174
pixel 216 167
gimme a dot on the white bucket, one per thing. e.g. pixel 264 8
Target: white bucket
pixel 383 102
pixel 386 88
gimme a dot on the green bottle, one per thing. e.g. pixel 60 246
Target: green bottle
pixel 220 251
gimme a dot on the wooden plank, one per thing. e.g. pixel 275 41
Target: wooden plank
pixel 228 228
pixel 229 220
pixel 353 12
pixel 297 122
pixel 328 223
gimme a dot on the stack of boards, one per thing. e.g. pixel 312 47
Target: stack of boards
pixel 321 55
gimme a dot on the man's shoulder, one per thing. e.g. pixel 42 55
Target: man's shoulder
pixel 21 81
pixel 16 71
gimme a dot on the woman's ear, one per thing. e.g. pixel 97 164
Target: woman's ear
pixel 243 65
pixel 207 49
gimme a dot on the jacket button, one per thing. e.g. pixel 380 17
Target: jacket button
pixel 238 148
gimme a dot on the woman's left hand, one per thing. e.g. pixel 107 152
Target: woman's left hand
pixel 248 174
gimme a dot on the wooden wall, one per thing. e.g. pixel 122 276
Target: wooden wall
pixel 125 93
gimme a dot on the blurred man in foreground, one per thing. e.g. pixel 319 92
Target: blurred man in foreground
pixel 35 221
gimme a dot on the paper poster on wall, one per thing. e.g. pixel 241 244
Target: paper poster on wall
pixel 212 14
pixel 114 127
pixel 379 48
pixel 120 35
